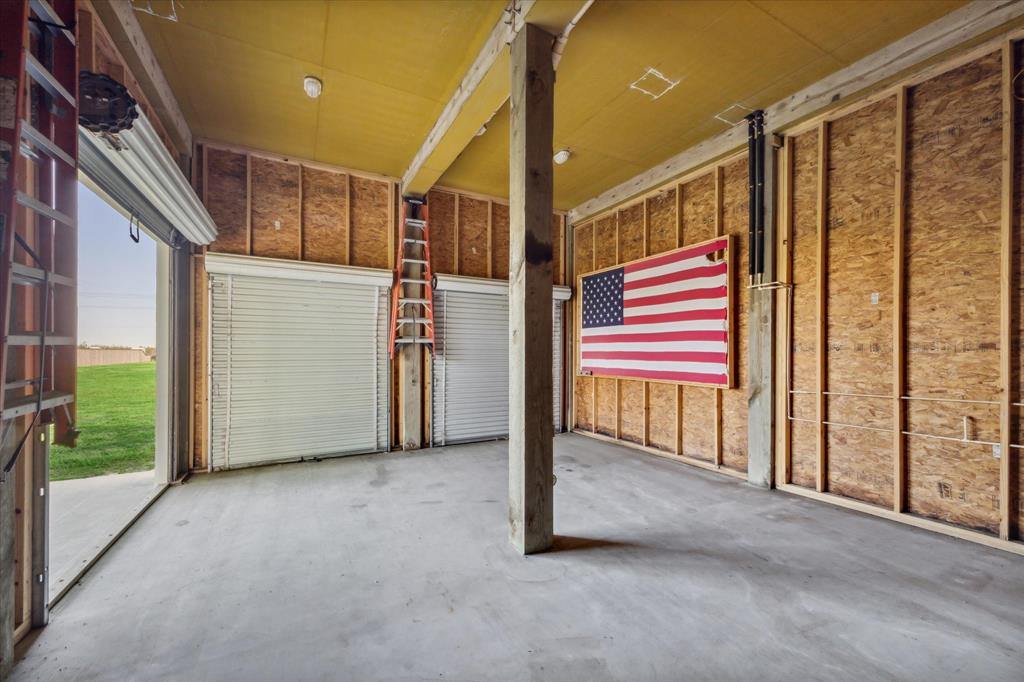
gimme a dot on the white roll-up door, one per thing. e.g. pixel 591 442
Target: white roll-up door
pixel 469 375
pixel 298 367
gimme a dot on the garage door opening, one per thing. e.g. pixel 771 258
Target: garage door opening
pixel 97 487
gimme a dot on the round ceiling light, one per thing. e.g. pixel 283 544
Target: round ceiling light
pixel 313 86
pixel 561 156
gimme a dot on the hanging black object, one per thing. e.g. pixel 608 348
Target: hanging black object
pixel 104 105
pixel 755 188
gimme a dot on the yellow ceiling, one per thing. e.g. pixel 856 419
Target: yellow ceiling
pixel 753 53
pixel 389 66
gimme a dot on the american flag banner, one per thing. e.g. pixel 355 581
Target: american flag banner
pixel 663 317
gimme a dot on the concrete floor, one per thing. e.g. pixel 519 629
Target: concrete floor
pixel 396 567
pixel 85 513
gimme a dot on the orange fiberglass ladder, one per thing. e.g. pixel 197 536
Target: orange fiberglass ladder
pixel 38 220
pixel 412 295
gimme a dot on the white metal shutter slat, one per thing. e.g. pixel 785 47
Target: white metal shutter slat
pixel 297 369
pixel 469 400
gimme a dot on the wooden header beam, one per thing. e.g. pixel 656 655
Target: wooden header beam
pixel 118 17
pixel 483 90
pixel 960 27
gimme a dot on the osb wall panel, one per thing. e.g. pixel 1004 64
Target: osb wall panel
pixel 324 216
pixel 631 410
pixel 661 222
pixel 225 199
pixel 803 251
pixel 606 406
pixel 605 242
pixel 473 250
pixel 697 224
pixel 661 416
pixel 442 231
pixel 369 228
pixel 735 222
pixel 953 285
pixel 861 207
pixel 583 259
pixel 499 240
pixel 276 209
pixel 631 233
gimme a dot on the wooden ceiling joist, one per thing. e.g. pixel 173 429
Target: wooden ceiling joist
pixel 483 90
pixel 965 26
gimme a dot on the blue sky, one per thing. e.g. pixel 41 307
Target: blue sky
pixel 117 278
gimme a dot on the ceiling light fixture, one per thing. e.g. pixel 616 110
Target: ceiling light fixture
pixel 313 86
pixel 561 156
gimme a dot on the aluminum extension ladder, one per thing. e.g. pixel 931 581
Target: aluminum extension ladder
pixel 412 295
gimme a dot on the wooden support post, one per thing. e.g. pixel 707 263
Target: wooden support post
pixel 302 220
pixel 783 324
pixel 348 219
pixel 531 428
pixel 1007 522
pixel 8 533
pixel 40 527
pixel 821 320
pixel 760 330
pixel 899 472
pixel 490 238
pixel 248 204
pixel 455 237
pixel 680 413
pixel 719 192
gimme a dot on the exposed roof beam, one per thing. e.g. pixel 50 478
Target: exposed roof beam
pixel 484 89
pixel 968 24
pixel 119 19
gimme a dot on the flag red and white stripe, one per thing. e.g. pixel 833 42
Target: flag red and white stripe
pixel 664 317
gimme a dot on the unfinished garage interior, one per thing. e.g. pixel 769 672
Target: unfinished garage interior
pixel 528 340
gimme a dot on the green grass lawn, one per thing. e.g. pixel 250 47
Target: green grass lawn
pixel 116 417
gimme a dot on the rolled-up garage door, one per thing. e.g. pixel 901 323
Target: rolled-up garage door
pixel 469 374
pixel 298 361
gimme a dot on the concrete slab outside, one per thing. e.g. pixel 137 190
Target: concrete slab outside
pixel 85 513
pixel 398 567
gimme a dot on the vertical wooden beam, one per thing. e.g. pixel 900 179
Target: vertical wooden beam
pixel 455 237
pixel 646 437
pixel 1006 283
pixel 302 216
pixel 490 231
pixel 531 428
pixel 392 226
pixel 719 191
pixel 593 380
pixel 783 324
pixel 86 37
pixel 821 320
pixel 40 527
pixel 899 472
pixel 679 389
pixel 248 204
pixel 348 219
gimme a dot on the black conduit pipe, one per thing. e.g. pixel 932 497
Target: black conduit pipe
pixel 759 194
pixel 751 194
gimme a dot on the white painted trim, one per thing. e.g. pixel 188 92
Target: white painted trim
pixel 482 285
pixel 280 268
pixel 147 182
pixel 164 352
pixel 956 28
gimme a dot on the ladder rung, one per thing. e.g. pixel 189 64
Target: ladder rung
pixel 35 338
pixel 24 383
pixel 415 222
pixel 44 143
pixel 415 339
pixel 414 260
pixel 28 275
pixel 406 280
pixel 407 240
pixel 414 200
pixel 413 320
pixel 26 404
pixel 42 209
pixel 45 12
pixel 40 74
pixel 416 301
